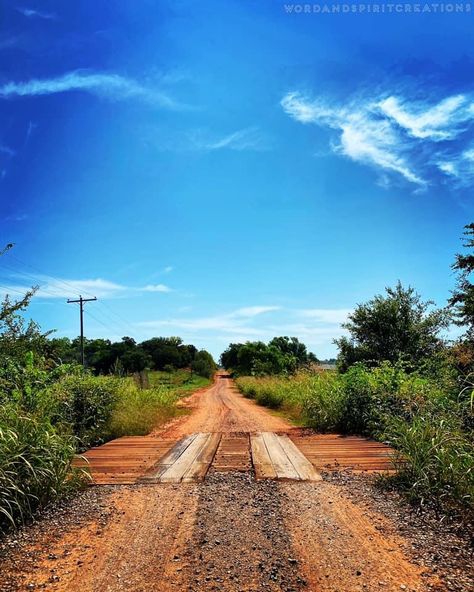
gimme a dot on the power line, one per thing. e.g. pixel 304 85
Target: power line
pixel 105 309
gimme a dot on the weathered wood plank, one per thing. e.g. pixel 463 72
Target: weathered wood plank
pixel 262 462
pixel 304 468
pixel 177 470
pixel 283 465
pixel 198 469
pixel 164 463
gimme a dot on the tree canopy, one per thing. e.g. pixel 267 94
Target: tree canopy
pixel 280 355
pixel 462 299
pixel 395 327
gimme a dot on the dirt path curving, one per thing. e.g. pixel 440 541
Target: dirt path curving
pixel 230 533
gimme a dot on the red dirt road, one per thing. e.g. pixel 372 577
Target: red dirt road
pixel 230 533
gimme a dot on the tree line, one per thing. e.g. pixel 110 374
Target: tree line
pixel 280 355
pixel 103 356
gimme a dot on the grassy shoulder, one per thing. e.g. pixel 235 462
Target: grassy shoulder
pixel 137 411
pixel 54 416
pixel 427 421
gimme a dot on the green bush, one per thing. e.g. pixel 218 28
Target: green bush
pixel 34 465
pixel 424 419
pixel 84 404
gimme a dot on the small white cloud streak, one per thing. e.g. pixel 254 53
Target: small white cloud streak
pixel 155 288
pixel 391 133
pixel 248 138
pixel 7 150
pixel 111 86
pixel 30 13
pixel 327 315
pixel 66 288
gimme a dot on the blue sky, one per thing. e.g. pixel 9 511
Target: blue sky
pixel 226 171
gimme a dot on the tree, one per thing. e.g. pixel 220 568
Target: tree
pixel 203 364
pixel 281 355
pixel 292 346
pixel 397 327
pixel 462 299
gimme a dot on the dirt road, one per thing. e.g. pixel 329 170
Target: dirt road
pixel 229 533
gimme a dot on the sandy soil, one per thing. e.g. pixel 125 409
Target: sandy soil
pixel 229 533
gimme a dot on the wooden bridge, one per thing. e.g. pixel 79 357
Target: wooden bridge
pixel 297 457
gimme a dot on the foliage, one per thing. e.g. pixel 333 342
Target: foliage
pixel 428 421
pixel 398 327
pixel 82 403
pixel 281 355
pixel 126 356
pixel 203 364
pixel 462 299
pixel 138 410
pixel 34 465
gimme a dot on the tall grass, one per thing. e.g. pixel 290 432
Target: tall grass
pixel 137 411
pixel 34 465
pixel 424 419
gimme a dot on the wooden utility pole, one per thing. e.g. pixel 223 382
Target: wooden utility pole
pixel 81 309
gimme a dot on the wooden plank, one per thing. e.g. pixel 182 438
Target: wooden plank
pixel 198 469
pixel 262 462
pixel 169 459
pixel 304 468
pixel 282 464
pixel 177 470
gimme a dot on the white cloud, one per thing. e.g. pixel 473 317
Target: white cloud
pixel 316 327
pixel 327 315
pixel 30 13
pixel 253 311
pixel 70 288
pixel 249 138
pixel 393 134
pixel 168 269
pixel 7 150
pixel 111 86
pixel 155 288
pixel 234 322
pixel 439 122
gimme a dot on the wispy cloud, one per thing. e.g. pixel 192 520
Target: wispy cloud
pixel 249 138
pixel 414 139
pixel 326 315
pixel 68 288
pixel 235 322
pixel 7 150
pixel 316 327
pixel 168 269
pixel 30 13
pixel 110 86
pixel 156 288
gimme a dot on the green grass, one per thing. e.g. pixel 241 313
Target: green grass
pixel 34 465
pixel 138 411
pixel 426 421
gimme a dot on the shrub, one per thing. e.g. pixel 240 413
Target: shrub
pixel 435 461
pixel 84 404
pixel 34 465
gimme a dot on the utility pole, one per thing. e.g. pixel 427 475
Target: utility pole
pixel 81 309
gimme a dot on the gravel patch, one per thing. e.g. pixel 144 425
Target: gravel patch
pixel 446 546
pixel 239 542
pixel 21 551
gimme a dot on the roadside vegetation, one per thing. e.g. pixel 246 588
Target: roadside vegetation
pixel 51 409
pixel 398 380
